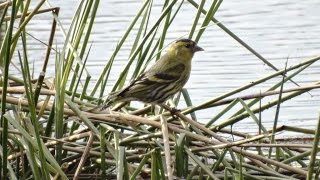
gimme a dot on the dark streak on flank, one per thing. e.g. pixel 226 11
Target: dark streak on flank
pixel 145 81
pixel 159 90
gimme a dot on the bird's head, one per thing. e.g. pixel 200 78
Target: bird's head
pixel 184 48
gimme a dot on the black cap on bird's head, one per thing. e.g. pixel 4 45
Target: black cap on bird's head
pixel 188 43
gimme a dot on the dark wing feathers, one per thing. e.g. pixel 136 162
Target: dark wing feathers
pixel 164 76
pixel 169 75
pixel 148 82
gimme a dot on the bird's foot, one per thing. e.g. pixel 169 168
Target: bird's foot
pixel 173 112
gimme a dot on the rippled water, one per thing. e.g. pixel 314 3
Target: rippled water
pixel 276 29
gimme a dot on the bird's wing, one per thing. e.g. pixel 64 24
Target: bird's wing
pixel 168 75
pixel 151 78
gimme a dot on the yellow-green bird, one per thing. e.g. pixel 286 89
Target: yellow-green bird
pixel 164 78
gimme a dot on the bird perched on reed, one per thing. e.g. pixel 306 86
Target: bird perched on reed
pixel 164 78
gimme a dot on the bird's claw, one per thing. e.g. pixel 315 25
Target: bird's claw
pixel 173 112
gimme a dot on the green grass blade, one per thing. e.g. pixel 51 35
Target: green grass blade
pixel 222 112
pixel 5 66
pixel 188 101
pixel 140 166
pixel 277 110
pixel 137 50
pixel 212 10
pixel 32 109
pixel 181 157
pixel 103 156
pixel 314 152
pixel 201 164
pixel 121 174
pixel 35 146
pixel 119 45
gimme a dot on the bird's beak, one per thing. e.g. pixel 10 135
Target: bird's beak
pixel 197 48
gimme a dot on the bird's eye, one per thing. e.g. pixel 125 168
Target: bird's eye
pixel 187 46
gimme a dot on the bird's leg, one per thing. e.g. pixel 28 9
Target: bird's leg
pixel 173 112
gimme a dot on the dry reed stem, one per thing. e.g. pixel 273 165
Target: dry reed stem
pixel 7 18
pixel 53 141
pixel 238 150
pixel 116 117
pixel 230 144
pixel 84 157
pixel 167 154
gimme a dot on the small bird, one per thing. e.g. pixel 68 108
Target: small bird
pixel 164 78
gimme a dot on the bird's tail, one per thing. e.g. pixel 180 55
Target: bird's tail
pixel 102 107
pixel 112 98
pixel 108 102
